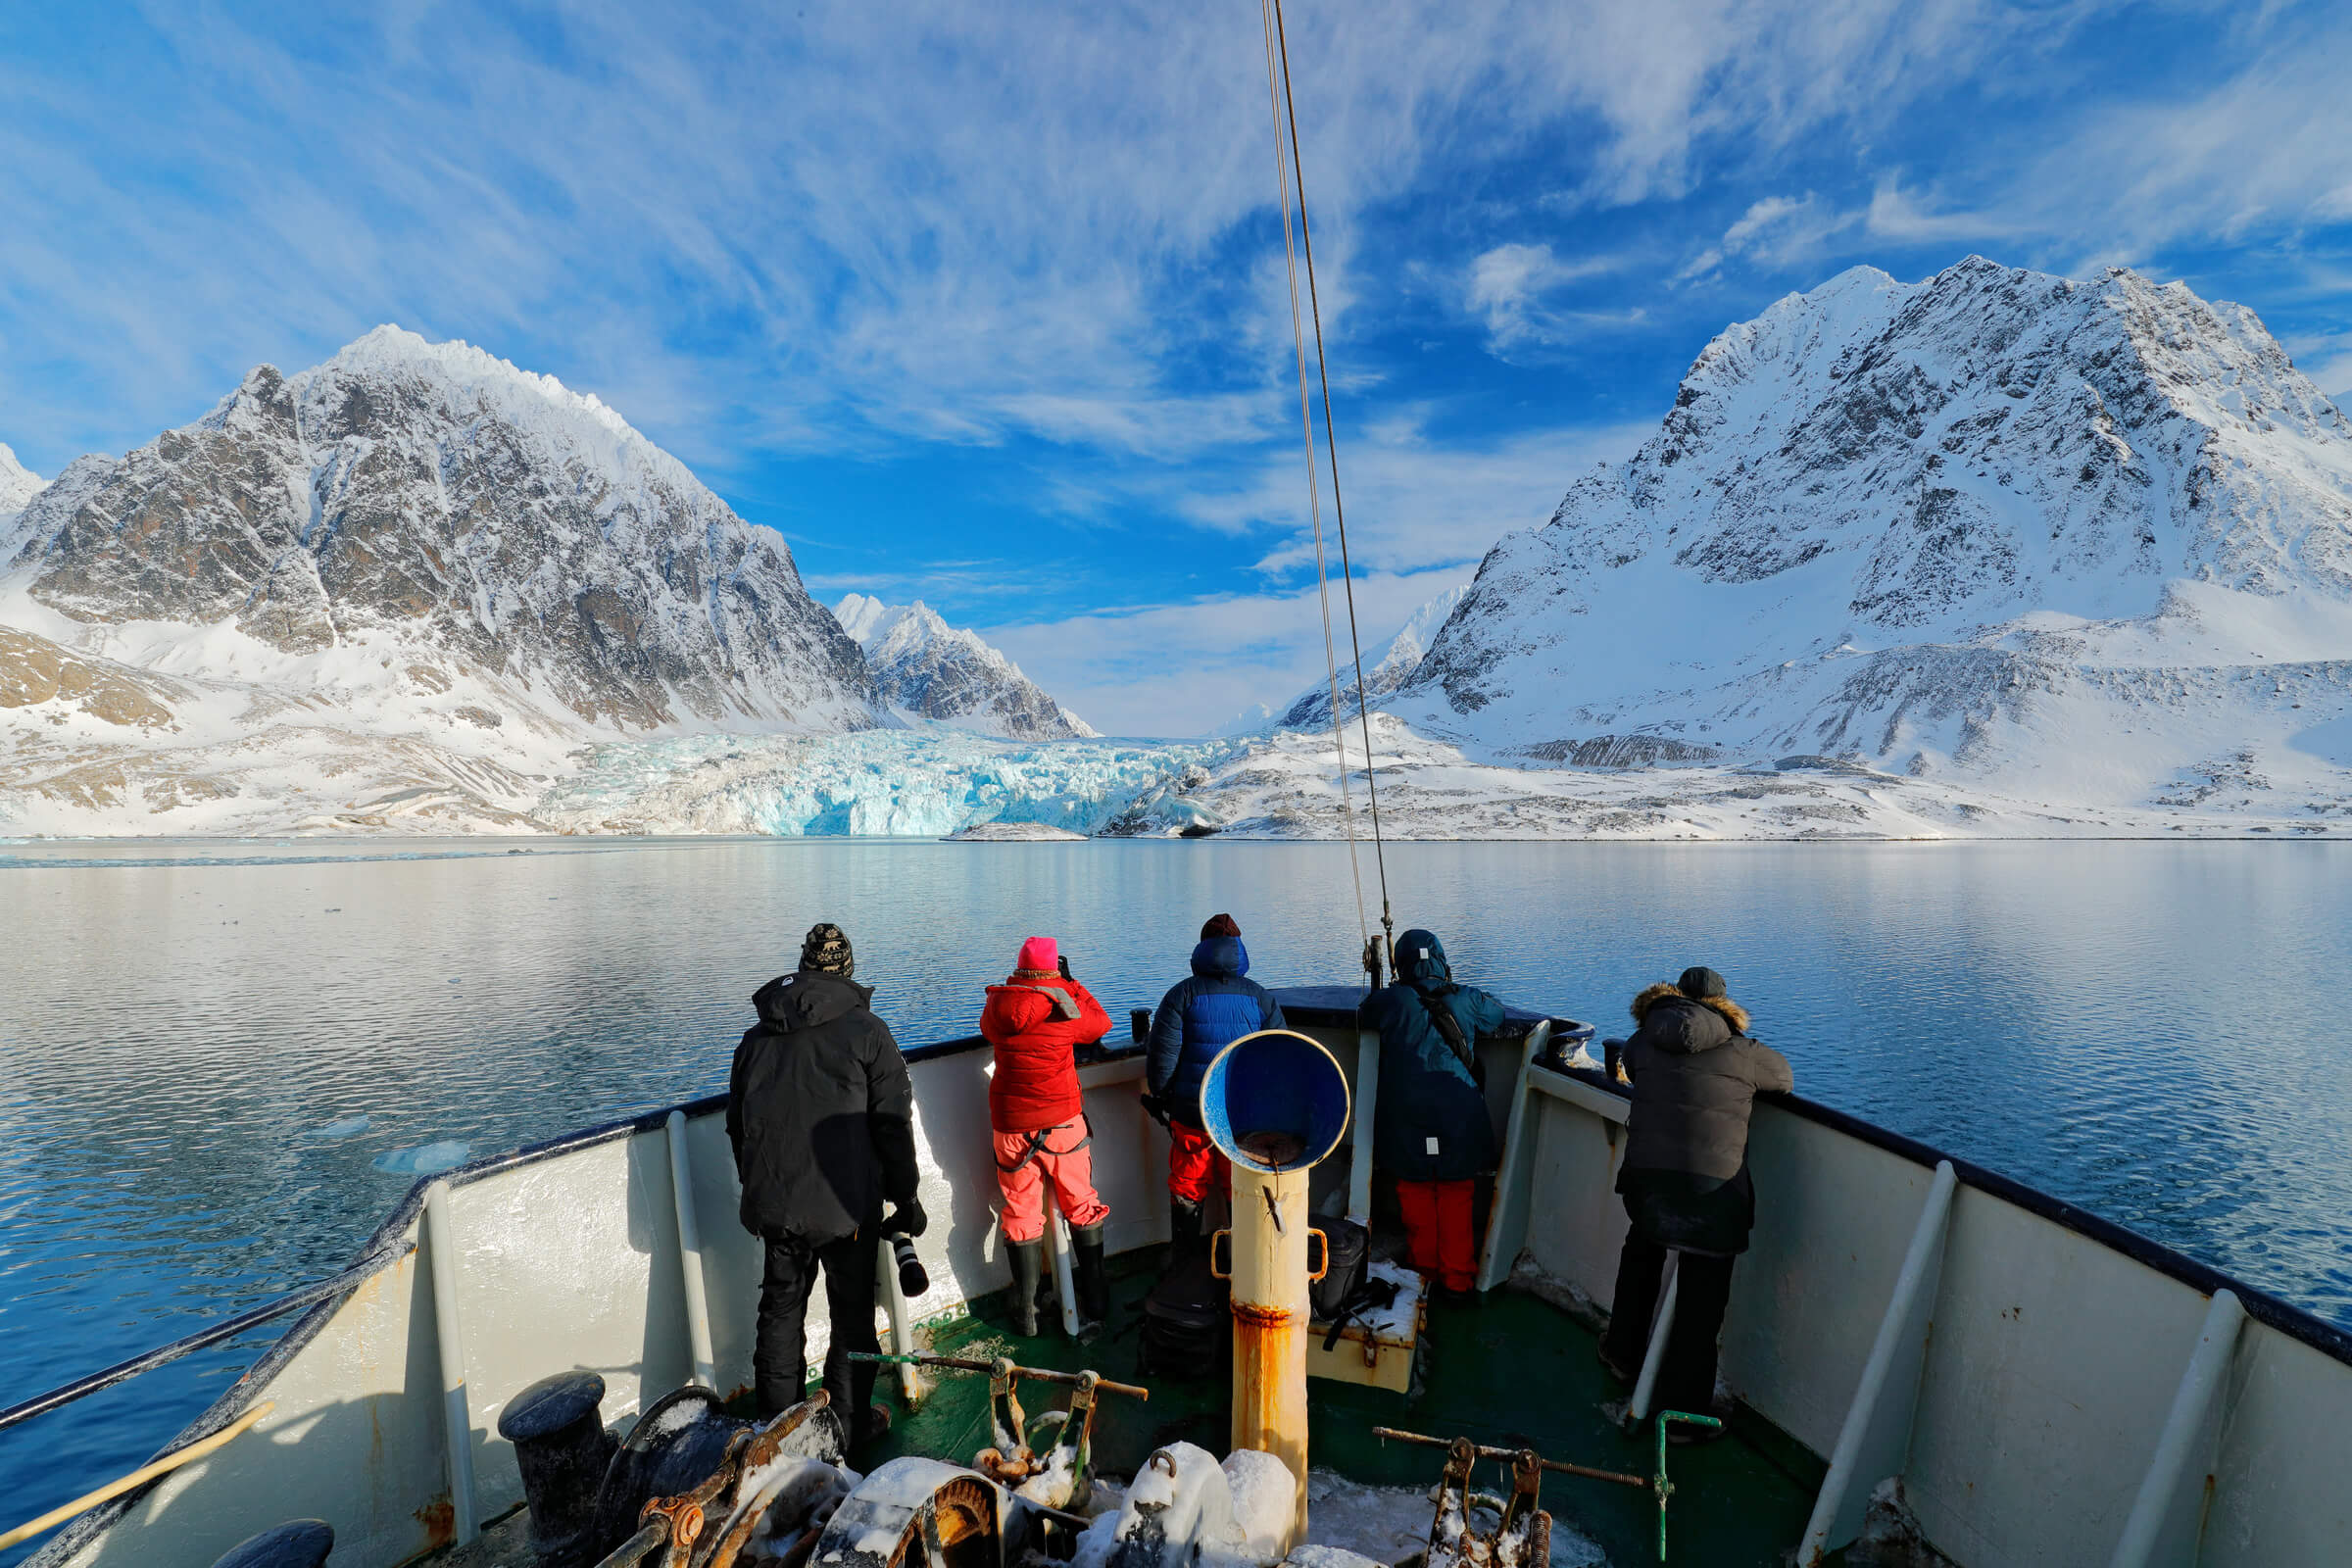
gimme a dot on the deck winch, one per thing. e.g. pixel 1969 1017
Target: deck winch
pixel 1523 1538
pixel 1276 1104
pixel 1046 1461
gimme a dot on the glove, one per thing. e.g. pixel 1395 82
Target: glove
pixel 905 1220
pixel 1065 961
pixel 1155 1107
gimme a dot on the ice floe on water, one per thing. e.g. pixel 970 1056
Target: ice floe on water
pixel 425 1160
pixel 345 1127
pixel 1014 833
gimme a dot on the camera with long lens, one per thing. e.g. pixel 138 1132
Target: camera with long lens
pixel 912 1280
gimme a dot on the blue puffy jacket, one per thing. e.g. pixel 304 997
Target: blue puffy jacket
pixel 1432 1123
pixel 1199 1017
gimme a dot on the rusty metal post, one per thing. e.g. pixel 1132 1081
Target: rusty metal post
pixel 1270 1312
pixel 1276 1104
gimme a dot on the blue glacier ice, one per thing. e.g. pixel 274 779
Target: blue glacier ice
pixel 925 780
pixel 345 1127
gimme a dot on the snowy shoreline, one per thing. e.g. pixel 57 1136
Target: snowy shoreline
pixel 932 782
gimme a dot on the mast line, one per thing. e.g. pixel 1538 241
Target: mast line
pixel 1363 710
pixel 1276 93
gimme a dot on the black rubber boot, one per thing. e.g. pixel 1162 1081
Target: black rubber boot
pixel 1086 1267
pixel 1184 1230
pixel 1028 1269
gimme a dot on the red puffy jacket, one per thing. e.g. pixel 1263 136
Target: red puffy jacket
pixel 1036 1022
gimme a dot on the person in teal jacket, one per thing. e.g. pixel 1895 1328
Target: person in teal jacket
pixel 1430 1129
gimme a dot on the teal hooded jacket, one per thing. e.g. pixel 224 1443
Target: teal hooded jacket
pixel 1431 1124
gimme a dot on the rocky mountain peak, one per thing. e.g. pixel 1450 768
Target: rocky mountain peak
pixel 1994 463
pixel 933 670
pixel 1392 666
pixel 435 497
pixel 18 483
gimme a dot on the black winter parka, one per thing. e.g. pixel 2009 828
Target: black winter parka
pixel 819 1111
pixel 1695 1076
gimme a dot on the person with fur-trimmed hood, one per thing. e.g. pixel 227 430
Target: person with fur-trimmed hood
pixel 1695 1074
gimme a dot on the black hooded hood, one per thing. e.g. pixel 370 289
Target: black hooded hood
pixel 819 1111
pixel 1421 960
pixel 807 998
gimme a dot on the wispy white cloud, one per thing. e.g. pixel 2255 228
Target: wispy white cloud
pixel 1511 287
pixel 1184 668
pixel 1413 501
pixel 935 222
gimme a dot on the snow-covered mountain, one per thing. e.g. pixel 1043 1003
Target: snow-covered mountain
pixel 17 486
pixel 414 576
pixel 1390 668
pixel 2083 542
pixel 432 496
pixel 929 669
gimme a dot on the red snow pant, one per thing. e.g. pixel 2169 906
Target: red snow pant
pixel 1191 1162
pixel 1437 1231
pixel 1027 1162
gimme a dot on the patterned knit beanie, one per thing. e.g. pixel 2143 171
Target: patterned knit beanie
pixel 826 951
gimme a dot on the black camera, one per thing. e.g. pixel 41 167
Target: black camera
pixel 913 1279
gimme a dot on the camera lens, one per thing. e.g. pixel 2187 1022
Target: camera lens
pixel 912 1280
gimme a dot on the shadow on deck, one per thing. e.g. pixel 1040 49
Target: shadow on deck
pixel 1515 1372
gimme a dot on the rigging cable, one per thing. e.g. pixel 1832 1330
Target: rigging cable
pixel 1339 510
pixel 1277 91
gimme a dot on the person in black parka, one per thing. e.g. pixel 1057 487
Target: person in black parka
pixel 1431 1129
pixel 1696 1075
pixel 821 1116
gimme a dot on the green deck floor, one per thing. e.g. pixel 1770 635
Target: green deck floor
pixel 1514 1372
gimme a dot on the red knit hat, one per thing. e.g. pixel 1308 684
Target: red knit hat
pixel 1219 925
pixel 1040 954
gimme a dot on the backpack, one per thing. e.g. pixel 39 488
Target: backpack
pixel 1347 1251
pixel 1188 1321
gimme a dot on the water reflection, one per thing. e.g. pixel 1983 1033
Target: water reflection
pixel 202 1063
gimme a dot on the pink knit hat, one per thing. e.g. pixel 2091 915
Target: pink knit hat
pixel 1040 953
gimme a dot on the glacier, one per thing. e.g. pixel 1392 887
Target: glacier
pixel 928 781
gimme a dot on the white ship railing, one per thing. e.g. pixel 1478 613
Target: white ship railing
pixel 2049 1387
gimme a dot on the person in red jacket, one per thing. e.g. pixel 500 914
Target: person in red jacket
pixel 1037 1019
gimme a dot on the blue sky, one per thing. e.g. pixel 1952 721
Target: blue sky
pixel 985 303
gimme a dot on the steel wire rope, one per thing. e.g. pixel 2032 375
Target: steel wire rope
pixel 1339 510
pixel 1275 91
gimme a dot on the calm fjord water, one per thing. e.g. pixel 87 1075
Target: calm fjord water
pixel 188 1041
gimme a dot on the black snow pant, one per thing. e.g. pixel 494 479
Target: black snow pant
pixel 1687 1374
pixel 780 1353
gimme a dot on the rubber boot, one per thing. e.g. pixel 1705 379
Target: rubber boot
pixel 1184 1230
pixel 1028 1260
pixel 1086 1267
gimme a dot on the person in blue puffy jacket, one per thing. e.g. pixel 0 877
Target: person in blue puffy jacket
pixel 1431 1129
pixel 1197 1018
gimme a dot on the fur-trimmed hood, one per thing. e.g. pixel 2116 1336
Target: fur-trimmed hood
pixel 1723 1007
